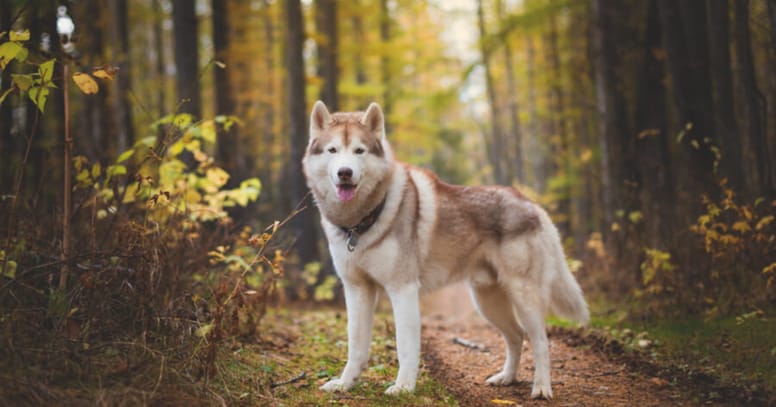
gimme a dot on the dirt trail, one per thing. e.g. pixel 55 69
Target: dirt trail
pixel 580 376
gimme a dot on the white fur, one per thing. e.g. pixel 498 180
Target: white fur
pixel 428 235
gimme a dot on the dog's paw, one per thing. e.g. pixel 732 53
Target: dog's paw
pixel 541 391
pixel 337 385
pixel 399 388
pixel 501 379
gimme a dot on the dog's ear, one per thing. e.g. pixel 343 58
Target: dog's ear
pixel 319 118
pixel 373 119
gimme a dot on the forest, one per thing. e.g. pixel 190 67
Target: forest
pixel 159 245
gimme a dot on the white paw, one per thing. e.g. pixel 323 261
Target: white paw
pixel 399 388
pixel 541 391
pixel 337 385
pixel 501 379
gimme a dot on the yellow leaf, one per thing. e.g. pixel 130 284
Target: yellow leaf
pixel 105 72
pixel 741 227
pixel 508 402
pixel 85 83
pixel 19 35
pixel 765 221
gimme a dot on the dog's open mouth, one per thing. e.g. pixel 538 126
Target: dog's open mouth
pixel 346 192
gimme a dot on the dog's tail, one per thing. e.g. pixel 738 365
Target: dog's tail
pixel 566 298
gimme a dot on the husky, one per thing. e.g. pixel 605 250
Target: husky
pixel 399 227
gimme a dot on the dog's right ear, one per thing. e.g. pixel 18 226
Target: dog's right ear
pixel 319 118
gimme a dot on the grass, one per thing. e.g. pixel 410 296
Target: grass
pixel 739 350
pixel 314 344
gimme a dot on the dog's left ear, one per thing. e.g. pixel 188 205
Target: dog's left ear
pixel 373 119
pixel 319 118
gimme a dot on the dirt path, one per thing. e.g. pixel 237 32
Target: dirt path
pixel 580 376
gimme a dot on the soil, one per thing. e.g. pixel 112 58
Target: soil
pixel 583 374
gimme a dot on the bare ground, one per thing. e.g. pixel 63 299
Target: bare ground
pixel 583 374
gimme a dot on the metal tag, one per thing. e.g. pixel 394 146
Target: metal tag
pixel 352 240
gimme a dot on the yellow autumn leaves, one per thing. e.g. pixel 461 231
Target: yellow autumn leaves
pixel 86 81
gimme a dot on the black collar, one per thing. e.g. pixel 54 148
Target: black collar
pixel 361 228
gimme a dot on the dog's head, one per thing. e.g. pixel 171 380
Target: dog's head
pixel 347 155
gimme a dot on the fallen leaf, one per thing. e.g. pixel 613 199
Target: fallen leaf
pixel 105 72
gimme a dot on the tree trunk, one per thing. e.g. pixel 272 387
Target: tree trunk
pixel 496 138
pixel 536 156
pixel 303 226
pixel 753 103
pixel 385 63
pixel 617 153
pixel 326 24
pixel 652 140
pixel 559 137
pixel 724 112
pixel 516 141
pixel 772 18
pixel 122 85
pixel 231 154
pixel 694 120
pixel 187 57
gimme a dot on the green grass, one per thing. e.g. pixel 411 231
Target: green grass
pixel 315 342
pixel 739 350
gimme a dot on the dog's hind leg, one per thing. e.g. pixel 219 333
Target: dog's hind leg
pixel 360 300
pixel 532 320
pixel 495 306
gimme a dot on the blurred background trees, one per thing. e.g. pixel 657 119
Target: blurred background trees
pixel 631 120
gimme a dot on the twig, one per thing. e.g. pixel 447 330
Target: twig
pixel 469 344
pixel 294 379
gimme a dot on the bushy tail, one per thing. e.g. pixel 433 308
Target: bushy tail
pixel 566 299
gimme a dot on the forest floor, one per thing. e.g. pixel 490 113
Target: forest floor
pixel 584 373
pixel 589 367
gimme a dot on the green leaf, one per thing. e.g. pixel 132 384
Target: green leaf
pixel 10 51
pixel 123 157
pixel 38 95
pixel 46 71
pixel 114 170
pixel 149 141
pixel 24 82
pixel 204 330
pixel 5 94
pixel 96 170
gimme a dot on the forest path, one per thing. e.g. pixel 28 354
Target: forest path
pixel 581 376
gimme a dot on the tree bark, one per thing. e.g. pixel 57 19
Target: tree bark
pixel 385 64
pixel 558 136
pixel 231 154
pixel 303 226
pixel 652 140
pixel 722 78
pixel 496 135
pixel 326 24
pixel 516 141
pixel 187 56
pixel 753 103
pixel 122 85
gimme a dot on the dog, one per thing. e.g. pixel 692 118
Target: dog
pixel 397 226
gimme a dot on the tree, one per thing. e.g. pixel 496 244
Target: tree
pixel 326 24
pixel 722 79
pixel 303 225
pixel 120 89
pixel 187 56
pixel 753 103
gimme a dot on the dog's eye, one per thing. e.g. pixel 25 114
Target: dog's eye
pixel 359 151
pixel 332 150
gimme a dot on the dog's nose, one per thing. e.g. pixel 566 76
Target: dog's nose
pixel 345 173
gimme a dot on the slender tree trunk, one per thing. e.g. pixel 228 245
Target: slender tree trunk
pixel 326 24
pixel 559 138
pixel 496 142
pixel 772 18
pixel 753 103
pixel 722 76
pixel 303 225
pixel 231 154
pixel 187 56
pixel 385 63
pixel 516 141
pixel 121 86
pixel 357 25
pixel 160 52
pixel 652 140
pixel 7 144
pixel 535 154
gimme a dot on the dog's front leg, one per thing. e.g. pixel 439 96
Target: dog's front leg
pixel 406 313
pixel 360 300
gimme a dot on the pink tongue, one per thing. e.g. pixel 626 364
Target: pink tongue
pixel 346 193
